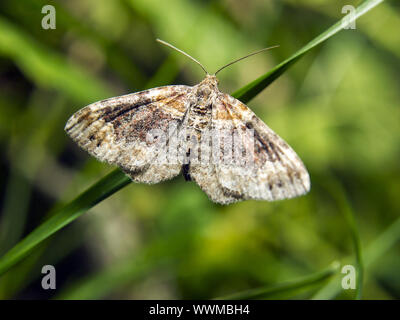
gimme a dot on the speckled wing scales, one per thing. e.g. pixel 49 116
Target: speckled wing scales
pixel 114 130
pixel 257 164
pixel 271 170
pixel 206 176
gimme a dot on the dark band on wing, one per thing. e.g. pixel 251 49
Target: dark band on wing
pixel 267 146
pixel 110 113
pixel 232 194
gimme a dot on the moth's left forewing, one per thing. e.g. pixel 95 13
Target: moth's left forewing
pixel 271 171
pixel 117 131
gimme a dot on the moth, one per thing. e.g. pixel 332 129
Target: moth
pixel 205 134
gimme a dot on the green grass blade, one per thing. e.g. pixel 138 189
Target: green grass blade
pixel 285 288
pixel 373 252
pixel 255 87
pixel 383 243
pixel 14 213
pixel 99 191
pixel 116 180
pixel 339 195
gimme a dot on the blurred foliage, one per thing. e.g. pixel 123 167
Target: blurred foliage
pixel 338 107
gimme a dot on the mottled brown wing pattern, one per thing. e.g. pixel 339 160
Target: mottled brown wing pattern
pixel 155 133
pixel 275 171
pixel 203 171
pixel 114 130
pixel 206 176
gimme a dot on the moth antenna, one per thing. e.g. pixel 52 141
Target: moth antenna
pixel 184 53
pixel 249 55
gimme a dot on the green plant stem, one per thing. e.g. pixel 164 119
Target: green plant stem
pixel 373 252
pixel 339 195
pixel 262 293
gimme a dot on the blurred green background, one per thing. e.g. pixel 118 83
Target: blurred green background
pixel 338 107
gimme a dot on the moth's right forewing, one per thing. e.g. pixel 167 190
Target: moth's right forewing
pixel 115 130
pixel 271 169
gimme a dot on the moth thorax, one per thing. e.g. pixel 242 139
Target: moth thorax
pixel 204 91
pixel 207 86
